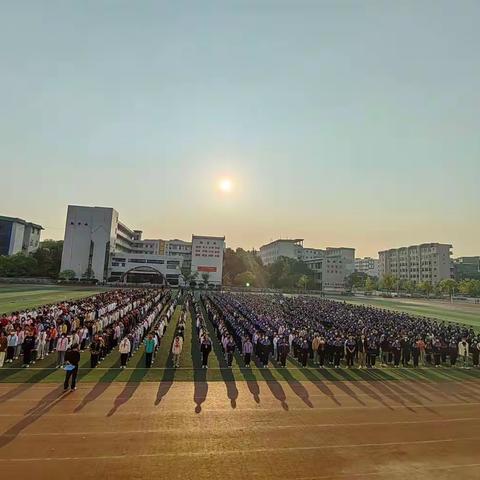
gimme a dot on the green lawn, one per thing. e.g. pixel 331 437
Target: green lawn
pixel 467 314
pixel 20 297
pixel 190 370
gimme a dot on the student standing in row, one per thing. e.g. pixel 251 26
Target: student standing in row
pixel 176 351
pixel 205 348
pixel 247 350
pixel 72 357
pixel 3 347
pixel 124 349
pixel 149 349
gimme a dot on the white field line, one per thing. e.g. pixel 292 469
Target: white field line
pixel 247 451
pixel 252 428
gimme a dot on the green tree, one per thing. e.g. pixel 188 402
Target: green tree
pixel 426 288
pixel 303 281
pixel 66 275
pixel 410 286
pixel 205 278
pixel 49 258
pixel 356 280
pixel 388 283
pixel 371 284
pixel 244 278
pixel 448 286
pixel 18 265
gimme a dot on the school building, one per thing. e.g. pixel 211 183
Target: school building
pixel 97 245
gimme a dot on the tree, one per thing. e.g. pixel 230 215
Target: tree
pixel 448 286
pixel 49 258
pixel 19 265
pixel 66 275
pixel 244 278
pixel 410 287
pixel 371 284
pixel 470 288
pixel 426 288
pixel 303 282
pixel 205 278
pixel 388 283
pixel 356 280
pixel 189 277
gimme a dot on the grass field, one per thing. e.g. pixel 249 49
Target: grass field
pixel 190 370
pixel 220 423
pixel 467 314
pixel 20 297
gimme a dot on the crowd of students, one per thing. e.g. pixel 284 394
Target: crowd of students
pixel 99 323
pixel 331 333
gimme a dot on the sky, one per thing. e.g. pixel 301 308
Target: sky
pixel 346 123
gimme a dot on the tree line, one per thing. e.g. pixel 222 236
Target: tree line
pixel 390 283
pixel 44 263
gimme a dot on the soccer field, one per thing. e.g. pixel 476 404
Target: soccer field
pixel 20 297
pixel 467 314
pixel 221 423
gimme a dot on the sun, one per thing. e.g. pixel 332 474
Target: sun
pixel 225 185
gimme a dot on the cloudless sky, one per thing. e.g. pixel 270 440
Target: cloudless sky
pixel 347 123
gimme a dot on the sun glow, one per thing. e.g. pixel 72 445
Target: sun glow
pixel 225 185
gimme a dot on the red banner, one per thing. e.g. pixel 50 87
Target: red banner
pixel 207 269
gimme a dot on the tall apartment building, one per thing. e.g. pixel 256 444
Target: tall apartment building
pixel 97 245
pixel 368 265
pixel 428 262
pixel 332 269
pixel 18 236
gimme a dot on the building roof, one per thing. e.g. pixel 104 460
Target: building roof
pixel 431 244
pixel 208 237
pixel 21 221
pixel 285 240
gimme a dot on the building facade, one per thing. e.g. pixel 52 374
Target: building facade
pixel 428 262
pixel 333 268
pixel 368 265
pixel 466 268
pixel 98 246
pixel 272 251
pixel 18 236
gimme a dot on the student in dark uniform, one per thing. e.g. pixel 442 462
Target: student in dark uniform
pixel 475 348
pixel 372 351
pixel 397 352
pixel 27 346
pixel 205 348
pixel 415 349
pixel 94 352
pixel 230 349
pixel 437 353
pixel 283 350
pixel 72 357
pixel 338 351
pixel 405 345
pixel 350 347
pixel 453 351
pixel 303 352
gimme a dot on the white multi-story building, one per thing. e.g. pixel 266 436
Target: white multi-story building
pixel 207 258
pixel 18 236
pixel 332 269
pixel 368 265
pixel 98 246
pixel 290 248
pixel 428 262
pixel 272 251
